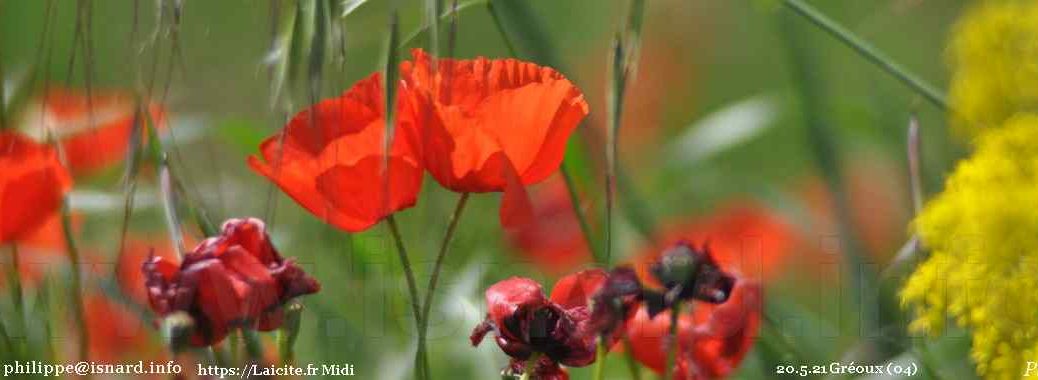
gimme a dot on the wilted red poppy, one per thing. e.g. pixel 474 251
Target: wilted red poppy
pixel 713 339
pixel 554 241
pixel 94 131
pixel 330 160
pixel 32 185
pixel 236 279
pixel 493 125
pixel 525 322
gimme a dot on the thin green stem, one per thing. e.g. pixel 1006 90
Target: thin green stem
pixel 77 286
pixel 529 366
pixel 598 372
pixel 632 365
pixel 430 291
pixel 868 51
pixel 672 341
pixel 412 289
pixel 585 228
pixel 252 345
pixel 16 284
pixel 501 29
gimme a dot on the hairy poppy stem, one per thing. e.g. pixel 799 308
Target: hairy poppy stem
pixel 435 277
pixel 529 366
pixel 412 289
pixel 77 290
pixel 672 341
pixel 868 51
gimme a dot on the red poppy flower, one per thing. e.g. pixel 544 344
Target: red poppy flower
pixel 32 185
pixel 525 322
pixel 236 279
pixel 713 339
pixel 493 125
pixel 94 132
pixel 330 160
pixel 554 241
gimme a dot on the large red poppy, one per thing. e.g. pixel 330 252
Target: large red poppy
pixel 32 185
pixel 329 158
pixel 94 131
pixel 525 322
pixel 493 125
pixel 236 279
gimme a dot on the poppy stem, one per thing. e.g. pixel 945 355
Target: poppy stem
pixel 16 284
pixel 672 341
pixel 434 278
pixel 412 289
pixel 585 228
pixel 252 345
pixel 868 51
pixel 77 291
pixel 600 352
pixel 632 366
pixel 529 366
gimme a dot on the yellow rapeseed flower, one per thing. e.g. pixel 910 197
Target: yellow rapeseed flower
pixel 982 231
pixel 993 55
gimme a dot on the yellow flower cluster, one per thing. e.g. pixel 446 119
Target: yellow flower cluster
pixel 994 59
pixel 983 235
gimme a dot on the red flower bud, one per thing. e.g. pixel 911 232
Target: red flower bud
pixel 236 279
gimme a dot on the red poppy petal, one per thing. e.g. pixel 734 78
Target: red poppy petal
pixel 576 289
pixel 505 297
pixel 366 199
pixel 220 299
pixel 516 208
pixel 261 290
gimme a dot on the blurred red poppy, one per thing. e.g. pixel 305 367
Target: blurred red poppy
pixel 713 339
pixel 236 279
pixel 115 331
pixel 329 158
pixel 525 322
pixel 32 185
pixel 94 131
pixel 744 237
pixel 493 125
pixel 554 241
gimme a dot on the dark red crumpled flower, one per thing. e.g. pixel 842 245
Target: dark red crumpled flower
pixel 493 125
pixel 33 184
pixel 525 322
pixel 236 279
pixel 713 339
